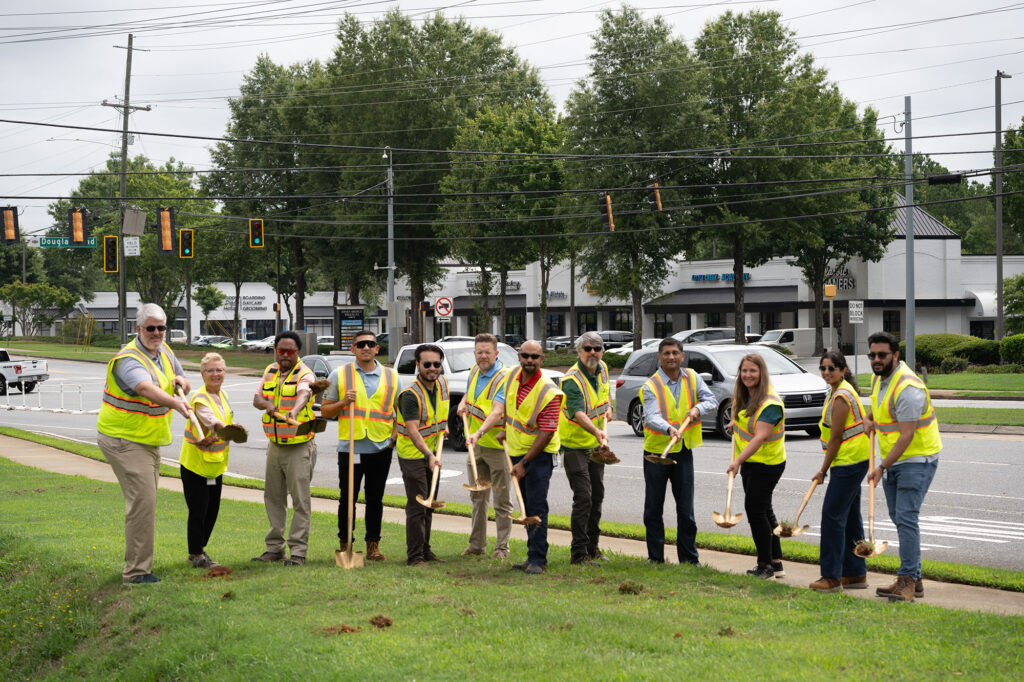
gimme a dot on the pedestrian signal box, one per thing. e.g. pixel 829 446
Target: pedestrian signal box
pixel 185 244
pixel 78 227
pixel 9 218
pixel 606 211
pixel 111 252
pixel 654 197
pixel 256 233
pixel 165 231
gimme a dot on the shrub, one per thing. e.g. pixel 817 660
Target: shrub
pixel 1011 349
pixel 976 351
pixel 953 364
pixel 932 349
pixel 997 369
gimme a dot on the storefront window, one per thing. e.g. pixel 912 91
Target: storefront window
pixel 983 329
pixel 772 320
pixel 586 322
pixel 555 325
pixel 662 325
pixel 891 323
pixel 714 319
pixel 515 323
pixel 620 320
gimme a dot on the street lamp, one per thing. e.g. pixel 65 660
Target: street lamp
pixel 998 177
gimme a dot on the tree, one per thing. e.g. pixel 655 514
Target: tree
pixel 11 256
pixel 35 306
pixel 209 298
pixel 1013 188
pixel 640 98
pixel 1013 304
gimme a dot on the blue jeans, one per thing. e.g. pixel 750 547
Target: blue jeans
pixel 841 523
pixel 535 497
pixel 905 486
pixel 680 476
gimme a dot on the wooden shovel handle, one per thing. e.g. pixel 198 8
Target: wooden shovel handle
pixel 515 481
pixel 814 484
pixel 191 414
pixel 284 418
pixel 469 446
pixel 728 496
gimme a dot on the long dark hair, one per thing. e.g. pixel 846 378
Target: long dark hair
pixel 839 360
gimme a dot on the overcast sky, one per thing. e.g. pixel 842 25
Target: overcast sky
pixel 944 54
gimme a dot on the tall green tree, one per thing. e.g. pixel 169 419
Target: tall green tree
pixel 208 298
pixel 36 306
pixel 16 259
pixel 1013 181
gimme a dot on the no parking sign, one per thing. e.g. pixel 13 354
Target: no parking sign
pixel 443 307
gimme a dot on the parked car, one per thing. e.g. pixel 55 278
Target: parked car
pixel 514 340
pixel 21 374
pixel 264 345
pixel 202 340
pixel 322 366
pixel 802 392
pixel 799 342
pixel 457 363
pixel 224 342
pixel 710 335
pixel 628 348
pixel 614 339
pixel 325 341
pixel 559 342
pixel 455 338
pixel 177 336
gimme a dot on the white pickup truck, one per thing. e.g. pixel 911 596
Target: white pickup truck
pixel 21 374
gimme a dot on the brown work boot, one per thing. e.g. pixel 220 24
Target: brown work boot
pixel 854 582
pixel 826 585
pixel 343 547
pixel 904 589
pixel 373 551
pixel 888 590
pixel 469 551
pixel 269 557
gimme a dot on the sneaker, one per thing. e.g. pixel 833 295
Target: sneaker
pixel 200 560
pixel 583 560
pixel 889 589
pixel 520 567
pixel 854 582
pixel 469 551
pixel 765 572
pixel 655 561
pixel 598 555
pixel 269 557
pixel 295 561
pixel 778 570
pixel 142 579
pixel 430 556
pixel 826 585
pixel 904 589
pixel 501 554
pixel 534 569
pixel 416 563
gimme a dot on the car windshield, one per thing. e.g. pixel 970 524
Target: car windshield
pixel 772 336
pixel 777 363
pixel 462 359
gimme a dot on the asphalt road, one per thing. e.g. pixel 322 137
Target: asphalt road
pixel 974 512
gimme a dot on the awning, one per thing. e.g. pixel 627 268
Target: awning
pixel 984 303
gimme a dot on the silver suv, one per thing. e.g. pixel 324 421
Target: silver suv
pixel 802 392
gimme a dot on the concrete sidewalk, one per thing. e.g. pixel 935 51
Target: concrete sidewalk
pixel 946 595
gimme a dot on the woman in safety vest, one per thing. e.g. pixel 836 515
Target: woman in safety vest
pixel 846 447
pixel 759 455
pixel 204 459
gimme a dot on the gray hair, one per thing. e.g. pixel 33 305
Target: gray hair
pixel 148 310
pixel 591 338
pixel 208 358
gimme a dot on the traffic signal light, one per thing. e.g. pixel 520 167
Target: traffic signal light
pixel 165 231
pixel 606 211
pixel 110 254
pixel 256 233
pixel 78 227
pixel 185 249
pixel 10 225
pixel 654 197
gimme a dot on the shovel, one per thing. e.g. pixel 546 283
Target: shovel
pixel 870 547
pixel 478 485
pixel 430 501
pixel 603 454
pixel 348 558
pixel 664 458
pixel 727 521
pixel 317 425
pixel 526 520
pixel 191 414
pixel 791 530
pixel 235 433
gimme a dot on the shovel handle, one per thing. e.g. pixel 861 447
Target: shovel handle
pixel 728 496
pixel 351 470
pixel 871 492
pixel 807 497
pixel 284 418
pixel 191 413
pixel 469 446
pixel 515 481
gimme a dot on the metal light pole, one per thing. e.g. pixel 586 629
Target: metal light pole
pixel 909 172
pixel 998 182
pixel 393 342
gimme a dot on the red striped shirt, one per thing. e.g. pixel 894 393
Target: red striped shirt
pixel 547 420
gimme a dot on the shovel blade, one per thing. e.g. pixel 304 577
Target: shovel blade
pixel 724 522
pixel 526 521
pixel 424 502
pixel 476 488
pixel 801 530
pixel 655 459
pixel 348 559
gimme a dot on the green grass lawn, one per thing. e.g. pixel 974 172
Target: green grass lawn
pixel 1001 416
pixel 968 382
pixel 63 612
pixel 189 356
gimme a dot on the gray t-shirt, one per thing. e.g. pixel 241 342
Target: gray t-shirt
pixel 129 372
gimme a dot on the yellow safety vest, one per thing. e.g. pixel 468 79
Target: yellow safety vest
pixel 433 420
pixel 480 406
pixel 773 449
pixel 135 418
pixel 521 422
pixel 595 405
pixel 375 415
pixel 926 438
pixel 284 396
pixel 855 446
pixel 674 413
pixel 208 461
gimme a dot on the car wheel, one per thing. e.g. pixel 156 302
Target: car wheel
pixel 456 436
pixel 724 417
pixel 28 386
pixel 636 418
pixel 3 386
pixel 814 432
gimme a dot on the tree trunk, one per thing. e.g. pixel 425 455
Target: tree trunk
pixel 638 321
pixel 572 292
pixel 737 287
pixel 416 296
pixel 818 289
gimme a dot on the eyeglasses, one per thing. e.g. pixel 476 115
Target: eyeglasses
pixel 529 356
pixel 431 365
pixel 827 368
pixel 287 352
pixel 365 344
pixel 156 328
pixel 881 356
pixel 592 349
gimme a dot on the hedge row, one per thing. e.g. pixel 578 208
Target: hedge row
pixel 954 352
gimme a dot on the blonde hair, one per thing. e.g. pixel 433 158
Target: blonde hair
pixel 744 398
pixel 208 358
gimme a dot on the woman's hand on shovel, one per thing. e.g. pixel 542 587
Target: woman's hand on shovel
pixel 734 468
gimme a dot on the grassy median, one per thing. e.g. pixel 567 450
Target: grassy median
pixel 63 612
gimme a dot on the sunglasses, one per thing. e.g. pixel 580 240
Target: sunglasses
pixel 430 365
pixel 529 356
pixel 592 349
pixel 287 352
pixel 827 368
pixel 156 328
pixel 365 344
pixel 880 356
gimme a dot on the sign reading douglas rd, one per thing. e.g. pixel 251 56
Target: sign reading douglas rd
pixel 64 243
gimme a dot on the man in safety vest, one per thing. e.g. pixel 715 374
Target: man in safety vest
pixel 908 439
pixel 585 410
pixel 532 403
pixel 285 392
pixel 134 421
pixel 484 405
pixel 422 418
pixel 670 396
pixel 373 390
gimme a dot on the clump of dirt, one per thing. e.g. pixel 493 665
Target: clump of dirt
pixel 381 622
pixel 678 635
pixel 863 549
pixel 604 455
pixel 631 587
pixel 786 529
pixel 726 632
pixel 340 629
pixel 467 612
pixel 228 595
pixel 218 570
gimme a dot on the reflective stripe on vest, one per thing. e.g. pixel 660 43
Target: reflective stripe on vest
pixel 208 461
pixel 855 446
pixel 673 412
pixel 375 415
pixel 135 418
pixel 284 396
pixel 927 440
pixel 595 405
pixel 432 420
pixel 773 448
pixel 521 421
pixel 480 407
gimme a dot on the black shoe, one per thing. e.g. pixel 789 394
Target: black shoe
pixel 430 556
pixel 269 557
pixel 519 567
pixel 295 561
pixel 765 572
pixel 142 579
pixel 583 560
pixel 200 560
pixel 534 569
pixel 778 570
pixel 598 555
pixel 655 561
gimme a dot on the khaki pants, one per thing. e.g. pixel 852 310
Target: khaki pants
pixel 137 468
pixel 490 465
pixel 289 471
